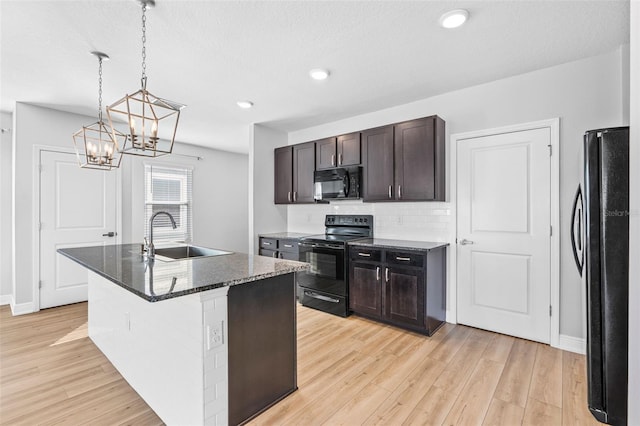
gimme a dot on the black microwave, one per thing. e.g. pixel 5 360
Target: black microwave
pixel 337 184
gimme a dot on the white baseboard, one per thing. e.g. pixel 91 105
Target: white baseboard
pixel 572 344
pixel 5 299
pixel 21 308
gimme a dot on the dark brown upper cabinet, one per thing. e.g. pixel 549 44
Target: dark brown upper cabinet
pixel 377 158
pixel 405 162
pixel 326 153
pixel 283 168
pixel 293 171
pixel 304 161
pixel 338 151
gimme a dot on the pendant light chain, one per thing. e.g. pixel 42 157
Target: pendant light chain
pixel 100 90
pixel 144 47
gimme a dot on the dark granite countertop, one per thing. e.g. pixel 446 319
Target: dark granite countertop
pixel 124 265
pixel 291 235
pixel 394 244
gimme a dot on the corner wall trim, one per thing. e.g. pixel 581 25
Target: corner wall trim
pixel 572 344
pixel 5 299
pixel 22 308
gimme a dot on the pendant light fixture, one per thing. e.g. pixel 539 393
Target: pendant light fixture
pixel 97 145
pixel 152 121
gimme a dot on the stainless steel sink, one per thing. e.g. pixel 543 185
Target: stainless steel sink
pixel 187 252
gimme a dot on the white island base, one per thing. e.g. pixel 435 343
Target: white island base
pixel 173 352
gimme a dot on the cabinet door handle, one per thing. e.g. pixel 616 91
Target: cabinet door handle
pixel 288 245
pixel 406 259
pixel 294 196
pixel 333 159
pixel 275 254
pixel 289 196
pixel 390 189
pixel 340 159
pixel 364 254
pixel 399 191
pixel 377 273
pixel 386 274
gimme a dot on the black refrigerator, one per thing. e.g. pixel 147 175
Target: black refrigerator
pixel 600 237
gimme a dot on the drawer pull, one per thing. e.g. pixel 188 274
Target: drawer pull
pixel 321 297
pixel 288 245
pixel 364 254
pixel 264 243
pixel 406 259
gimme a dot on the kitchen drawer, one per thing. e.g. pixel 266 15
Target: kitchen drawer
pixel 365 254
pixel 267 252
pixel 268 243
pixel 289 246
pixel 405 258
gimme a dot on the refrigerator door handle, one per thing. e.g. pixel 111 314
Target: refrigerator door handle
pixel 577 232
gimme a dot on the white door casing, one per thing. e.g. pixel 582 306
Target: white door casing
pixel 504 217
pixel 76 207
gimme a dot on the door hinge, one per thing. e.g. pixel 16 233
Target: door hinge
pixel 550 310
pixel 550 231
pixel 39 284
pixel 39 226
pixel 550 150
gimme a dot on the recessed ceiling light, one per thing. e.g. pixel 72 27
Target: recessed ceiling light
pixel 454 18
pixel 319 74
pixel 245 104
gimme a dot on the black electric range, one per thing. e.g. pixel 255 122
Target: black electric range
pixel 325 286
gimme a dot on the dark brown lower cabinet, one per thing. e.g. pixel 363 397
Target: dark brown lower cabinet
pixel 364 289
pixel 262 345
pixel 404 295
pixel 402 288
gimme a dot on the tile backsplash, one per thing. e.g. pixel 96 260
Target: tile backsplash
pixel 424 221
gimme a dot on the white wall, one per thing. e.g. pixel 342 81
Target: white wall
pixel 634 220
pixel 219 192
pixel 265 216
pixel 33 126
pixel 5 208
pixel 584 94
pixel 220 211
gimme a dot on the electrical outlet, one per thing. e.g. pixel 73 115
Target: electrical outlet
pixel 215 335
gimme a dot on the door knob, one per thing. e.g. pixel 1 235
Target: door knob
pixel 109 234
pixel 465 242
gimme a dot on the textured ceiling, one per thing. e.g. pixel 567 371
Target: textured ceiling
pixel 210 54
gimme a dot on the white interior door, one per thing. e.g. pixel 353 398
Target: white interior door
pixel 504 224
pixel 77 208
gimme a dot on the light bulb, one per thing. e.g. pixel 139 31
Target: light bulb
pixel 154 129
pixel 454 18
pixel 319 74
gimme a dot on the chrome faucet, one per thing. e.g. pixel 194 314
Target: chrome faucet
pixel 151 250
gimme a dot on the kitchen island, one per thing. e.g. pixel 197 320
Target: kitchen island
pixel 205 340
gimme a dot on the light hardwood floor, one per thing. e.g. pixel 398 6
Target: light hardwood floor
pixel 350 371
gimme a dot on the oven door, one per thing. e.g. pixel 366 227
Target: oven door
pixel 327 272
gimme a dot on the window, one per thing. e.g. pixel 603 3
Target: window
pixel 168 189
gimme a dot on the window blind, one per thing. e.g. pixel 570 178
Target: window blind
pixel 168 189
